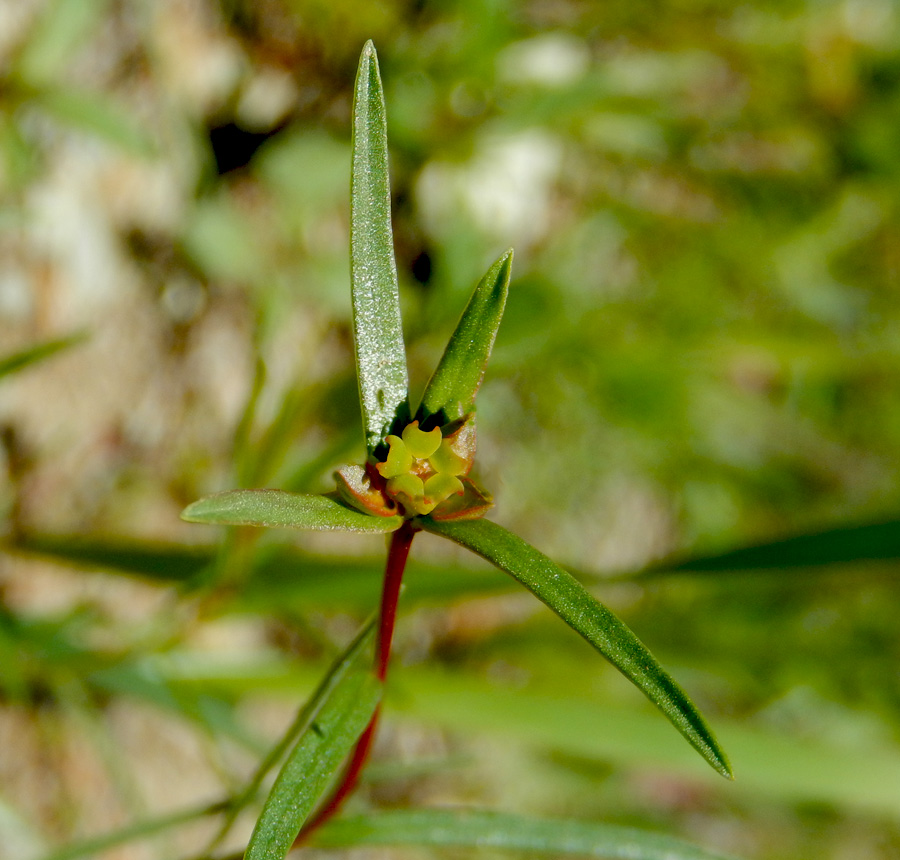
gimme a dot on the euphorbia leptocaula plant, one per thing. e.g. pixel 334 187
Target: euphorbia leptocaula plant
pixel 416 478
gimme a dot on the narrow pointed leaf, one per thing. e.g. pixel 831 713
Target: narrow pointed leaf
pixel 472 829
pixel 380 354
pixel 292 736
pixel 333 720
pixel 559 590
pixel 275 508
pixel 458 376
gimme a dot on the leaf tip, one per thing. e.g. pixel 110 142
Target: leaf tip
pixel 192 513
pixel 719 761
pixel 506 268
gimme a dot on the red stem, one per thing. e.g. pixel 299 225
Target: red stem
pixel 398 553
pixel 401 541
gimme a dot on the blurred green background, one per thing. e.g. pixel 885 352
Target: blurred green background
pixel 701 352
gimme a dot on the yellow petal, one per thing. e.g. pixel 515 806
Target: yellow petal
pixel 446 461
pixel 470 505
pixel 439 487
pixel 421 444
pixel 406 488
pixel 399 460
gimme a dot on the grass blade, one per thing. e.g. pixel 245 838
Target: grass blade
pixel 840 545
pixel 281 576
pixel 439 828
pixel 62 29
pixel 275 508
pixel 34 354
pixel 96 114
pixel 333 720
pixel 148 559
pixel 380 353
pixel 95 845
pixel 796 766
pixel 559 590
pixel 458 376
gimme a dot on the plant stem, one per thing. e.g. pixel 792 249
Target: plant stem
pixel 398 553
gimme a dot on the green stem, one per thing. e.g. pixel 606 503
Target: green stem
pixel 398 553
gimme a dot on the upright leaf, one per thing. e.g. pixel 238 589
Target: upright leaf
pixel 474 829
pixel 458 376
pixel 559 590
pixel 275 508
pixel 380 354
pixel 333 720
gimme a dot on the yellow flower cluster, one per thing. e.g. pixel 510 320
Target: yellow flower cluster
pixel 421 469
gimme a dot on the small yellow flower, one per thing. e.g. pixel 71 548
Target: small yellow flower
pixel 425 472
pixel 421 469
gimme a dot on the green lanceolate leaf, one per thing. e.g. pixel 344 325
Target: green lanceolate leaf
pixel 276 508
pixel 333 721
pixel 559 590
pixel 380 354
pixel 456 380
pixel 441 828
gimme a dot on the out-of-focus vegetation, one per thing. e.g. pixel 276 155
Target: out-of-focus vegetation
pixel 701 351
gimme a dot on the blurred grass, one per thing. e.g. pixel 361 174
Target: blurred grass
pixel 700 361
